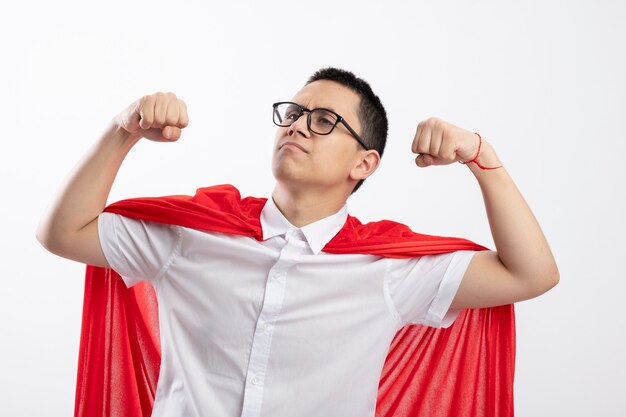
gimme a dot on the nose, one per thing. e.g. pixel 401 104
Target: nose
pixel 300 125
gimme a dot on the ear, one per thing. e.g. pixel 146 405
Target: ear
pixel 366 165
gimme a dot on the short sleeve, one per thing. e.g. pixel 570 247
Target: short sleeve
pixel 137 250
pixel 422 289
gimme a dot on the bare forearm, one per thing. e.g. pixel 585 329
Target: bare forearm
pixel 70 227
pixel 520 243
pixel 83 196
pixel 522 266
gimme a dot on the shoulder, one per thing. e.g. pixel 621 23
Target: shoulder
pixel 385 230
pixel 393 239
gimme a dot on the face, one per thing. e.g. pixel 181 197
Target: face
pixel 302 158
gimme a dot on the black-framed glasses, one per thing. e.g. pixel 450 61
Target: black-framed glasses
pixel 320 121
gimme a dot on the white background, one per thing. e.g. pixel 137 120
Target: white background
pixel 544 82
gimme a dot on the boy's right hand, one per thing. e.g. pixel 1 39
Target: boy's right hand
pixel 159 117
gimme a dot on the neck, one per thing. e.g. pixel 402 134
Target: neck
pixel 306 207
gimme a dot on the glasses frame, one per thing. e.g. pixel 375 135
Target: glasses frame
pixel 308 120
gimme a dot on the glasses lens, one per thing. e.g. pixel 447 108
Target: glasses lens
pixel 322 121
pixel 286 113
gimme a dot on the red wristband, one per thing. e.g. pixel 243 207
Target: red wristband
pixel 474 160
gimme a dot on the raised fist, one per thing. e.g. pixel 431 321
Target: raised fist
pixel 440 143
pixel 159 117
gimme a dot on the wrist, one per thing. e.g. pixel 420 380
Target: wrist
pixel 485 158
pixel 115 133
pixel 488 156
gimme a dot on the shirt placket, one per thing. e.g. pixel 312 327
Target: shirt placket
pixel 262 339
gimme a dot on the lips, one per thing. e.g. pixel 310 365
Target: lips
pixel 294 144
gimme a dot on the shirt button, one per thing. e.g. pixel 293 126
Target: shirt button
pixel 254 380
pixel 263 325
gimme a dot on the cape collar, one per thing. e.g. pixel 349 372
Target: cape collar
pixel 317 234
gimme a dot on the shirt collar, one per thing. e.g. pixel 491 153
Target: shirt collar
pixel 317 234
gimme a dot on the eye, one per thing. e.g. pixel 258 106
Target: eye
pixel 323 118
pixel 292 113
pixel 324 121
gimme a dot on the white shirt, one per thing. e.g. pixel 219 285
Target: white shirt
pixel 275 328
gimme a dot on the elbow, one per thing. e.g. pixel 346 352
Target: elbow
pixel 554 278
pixel 551 278
pixel 46 237
pixel 43 237
pixel 539 282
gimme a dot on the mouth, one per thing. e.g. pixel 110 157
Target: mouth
pixel 294 145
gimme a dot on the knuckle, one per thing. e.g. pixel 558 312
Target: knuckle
pixel 433 121
pixel 158 97
pixel 146 100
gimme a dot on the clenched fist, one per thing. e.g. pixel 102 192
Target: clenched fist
pixel 159 117
pixel 441 143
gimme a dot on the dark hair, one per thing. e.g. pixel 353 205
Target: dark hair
pixel 371 112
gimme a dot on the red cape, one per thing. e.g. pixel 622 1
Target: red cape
pixel 464 370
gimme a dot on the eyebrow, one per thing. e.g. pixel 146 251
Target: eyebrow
pixel 323 107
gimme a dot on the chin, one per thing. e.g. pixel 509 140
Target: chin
pixel 291 176
pixel 285 175
pixel 286 167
